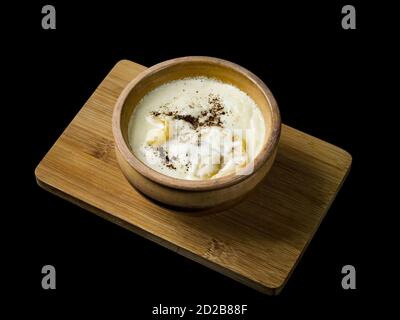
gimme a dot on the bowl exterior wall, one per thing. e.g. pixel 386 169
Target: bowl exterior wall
pixel 219 199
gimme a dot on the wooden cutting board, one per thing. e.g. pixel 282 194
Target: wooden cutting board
pixel 258 242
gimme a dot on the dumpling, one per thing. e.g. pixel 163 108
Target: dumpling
pixel 158 135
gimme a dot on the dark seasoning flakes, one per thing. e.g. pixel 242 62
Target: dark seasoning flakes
pixel 163 154
pixel 209 117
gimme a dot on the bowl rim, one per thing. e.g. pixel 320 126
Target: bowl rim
pixel 266 152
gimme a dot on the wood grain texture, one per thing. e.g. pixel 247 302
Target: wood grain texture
pixel 258 242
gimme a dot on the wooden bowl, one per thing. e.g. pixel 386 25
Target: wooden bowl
pixel 191 195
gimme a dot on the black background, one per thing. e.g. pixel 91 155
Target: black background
pixel 321 76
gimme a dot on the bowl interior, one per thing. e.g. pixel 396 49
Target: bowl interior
pixel 209 67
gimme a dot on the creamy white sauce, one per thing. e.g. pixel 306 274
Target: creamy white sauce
pixel 196 128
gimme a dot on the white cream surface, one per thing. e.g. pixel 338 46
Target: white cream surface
pixel 196 128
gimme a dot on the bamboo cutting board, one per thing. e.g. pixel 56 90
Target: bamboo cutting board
pixel 258 242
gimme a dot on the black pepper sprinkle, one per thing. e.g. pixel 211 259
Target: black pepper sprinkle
pixel 214 112
pixel 171 166
pixel 194 121
pixel 207 118
pixel 163 154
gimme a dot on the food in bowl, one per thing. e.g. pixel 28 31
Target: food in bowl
pixel 142 124
pixel 197 128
